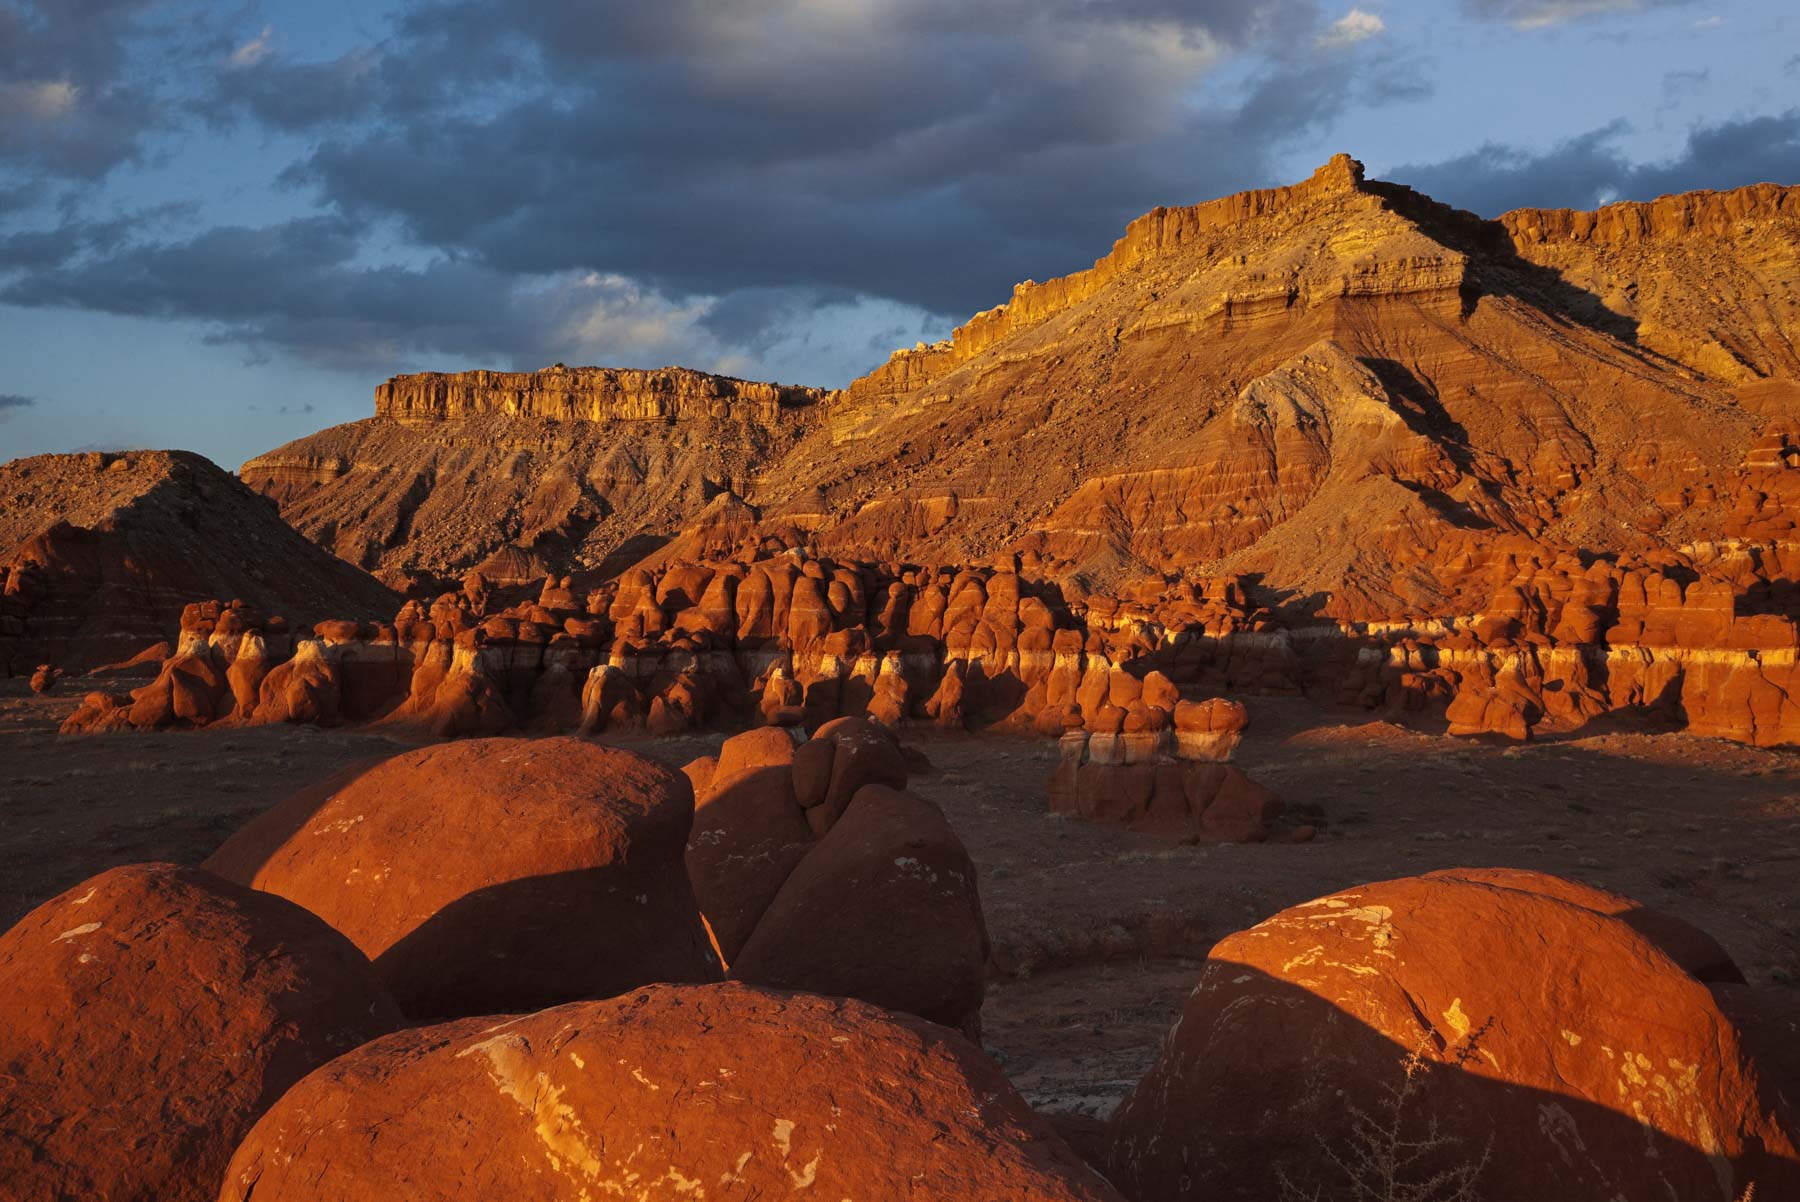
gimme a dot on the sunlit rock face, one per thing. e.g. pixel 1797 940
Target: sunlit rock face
pixel 1465 1034
pixel 733 1090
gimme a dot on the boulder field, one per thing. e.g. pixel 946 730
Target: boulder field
pixel 1466 1034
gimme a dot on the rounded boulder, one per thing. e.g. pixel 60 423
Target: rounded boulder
pixel 719 1091
pixel 493 875
pixel 1469 1033
pixel 149 1015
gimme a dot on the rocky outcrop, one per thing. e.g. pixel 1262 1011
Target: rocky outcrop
pixel 817 871
pixel 1339 388
pixel 516 474
pixel 1467 1033
pixel 1701 639
pixel 592 394
pixel 1160 769
pixel 715 1091
pixel 152 1014
pixel 100 553
pixel 493 875
pixel 1705 278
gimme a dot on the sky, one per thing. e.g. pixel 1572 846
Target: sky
pixel 223 223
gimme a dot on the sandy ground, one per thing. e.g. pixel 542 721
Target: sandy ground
pixel 1097 932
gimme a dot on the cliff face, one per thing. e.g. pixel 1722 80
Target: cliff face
pixel 1355 396
pixel 1706 279
pixel 594 394
pixel 1342 388
pixel 1194 230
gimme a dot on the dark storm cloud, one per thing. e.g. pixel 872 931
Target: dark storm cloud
pixel 551 162
pixel 1530 14
pixel 12 400
pixel 80 80
pixel 929 152
pixel 299 287
pixel 293 97
pixel 1590 169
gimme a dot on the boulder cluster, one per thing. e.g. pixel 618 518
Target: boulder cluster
pixel 488 945
pixel 534 969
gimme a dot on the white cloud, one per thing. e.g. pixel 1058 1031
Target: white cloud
pixel 1539 14
pixel 45 100
pixel 1709 22
pixel 255 50
pixel 1355 26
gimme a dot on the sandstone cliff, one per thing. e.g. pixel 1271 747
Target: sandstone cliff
pixel 595 394
pixel 1342 389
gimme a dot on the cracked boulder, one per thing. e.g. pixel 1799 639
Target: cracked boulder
pixel 1465 1034
pixel 818 871
pixel 721 1091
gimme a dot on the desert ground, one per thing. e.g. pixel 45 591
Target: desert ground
pixel 1097 932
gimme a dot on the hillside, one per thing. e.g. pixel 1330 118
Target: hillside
pixel 523 473
pixel 100 552
pixel 1342 389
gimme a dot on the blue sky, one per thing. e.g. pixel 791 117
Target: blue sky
pixel 221 224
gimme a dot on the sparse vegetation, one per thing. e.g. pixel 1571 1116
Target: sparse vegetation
pixel 1395 1154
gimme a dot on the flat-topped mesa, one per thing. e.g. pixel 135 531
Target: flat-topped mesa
pixel 1687 214
pixel 1160 232
pixel 598 394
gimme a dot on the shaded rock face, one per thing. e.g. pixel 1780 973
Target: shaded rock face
pixel 152 1013
pixel 493 875
pixel 1159 768
pixel 100 553
pixel 665 1092
pixel 516 474
pixel 1339 387
pixel 1504 1033
pixel 817 871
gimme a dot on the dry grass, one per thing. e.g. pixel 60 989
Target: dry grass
pixel 1390 1155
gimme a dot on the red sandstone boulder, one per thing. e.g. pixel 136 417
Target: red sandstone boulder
pixel 871 896
pixel 493 874
pixel 883 908
pixel 1500 1033
pixel 45 678
pixel 749 831
pixel 151 1013
pixel 670 1092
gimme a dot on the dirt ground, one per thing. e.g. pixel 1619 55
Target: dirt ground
pixel 1097 933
